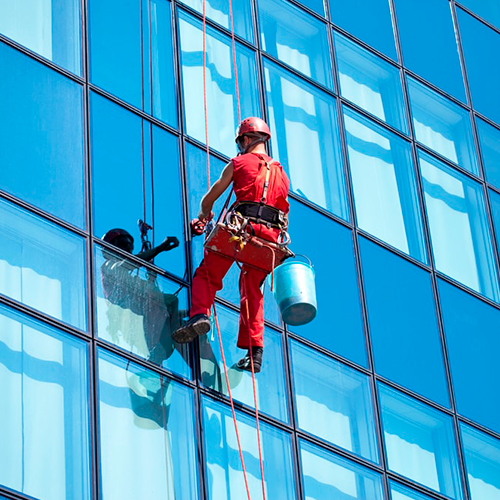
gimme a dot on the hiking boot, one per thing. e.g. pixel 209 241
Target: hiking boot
pixel 199 324
pixel 246 363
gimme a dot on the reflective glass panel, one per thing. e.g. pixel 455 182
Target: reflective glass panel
pixel 42 159
pixel 315 5
pixel 44 422
pixel 489 140
pixel 482 459
pixel 131 54
pixel 328 476
pixel 481 46
pixel 420 443
pixel 42 265
pixel 400 492
pixel 197 180
pixel 218 11
pixel 384 185
pixel 336 406
pixel 460 235
pixel 338 325
pixel 495 212
pixel 487 9
pixel 158 458
pixel 296 38
pixel 138 310
pixel 402 318
pixel 224 473
pixel 368 20
pixel 50 28
pixel 473 344
pixel 442 126
pixel 370 82
pixel 429 44
pixel 132 160
pixel 222 105
pixel 269 383
pixel 305 139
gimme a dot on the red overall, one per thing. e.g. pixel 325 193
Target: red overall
pixel 249 175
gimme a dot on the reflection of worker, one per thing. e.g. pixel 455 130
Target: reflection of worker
pixel 261 188
pixel 123 287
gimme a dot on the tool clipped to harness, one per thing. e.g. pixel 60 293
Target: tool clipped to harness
pixel 144 228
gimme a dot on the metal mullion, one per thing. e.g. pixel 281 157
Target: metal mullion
pixel 479 427
pixel 477 17
pixel 145 363
pixel 44 215
pixel 129 107
pixel 475 134
pixel 306 9
pixel 43 317
pixel 13 494
pixel 418 487
pixel 491 122
pixel 46 62
pixel 214 25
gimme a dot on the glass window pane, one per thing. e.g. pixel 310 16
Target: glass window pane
pixel 42 159
pixel 487 9
pixel 339 305
pixel 400 492
pixel 442 126
pixel 481 46
pixel 44 422
pixel 495 212
pixel 158 458
pixel 138 310
pixel 315 5
pixel 328 476
pixel 460 235
pixel 420 443
pixel 336 406
pixel 296 38
pixel 128 158
pixel 222 112
pixel 429 44
pixel 42 265
pixel 370 82
pixel 473 344
pixel 218 11
pixel 489 139
pixel 225 479
pixel 305 139
pixel 368 20
pixel 134 61
pixel 482 459
pixel 270 383
pixel 115 48
pixel 402 318
pixel 384 185
pixel 50 28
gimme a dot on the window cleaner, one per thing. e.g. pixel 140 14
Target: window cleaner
pixel 255 238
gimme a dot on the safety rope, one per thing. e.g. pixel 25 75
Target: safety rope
pixel 208 277
pixel 244 285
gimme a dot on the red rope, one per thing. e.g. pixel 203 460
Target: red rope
pixel 234 63
pixel 208 277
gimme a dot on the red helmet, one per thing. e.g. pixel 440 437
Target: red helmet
pixel 251 125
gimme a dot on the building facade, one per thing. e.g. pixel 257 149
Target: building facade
pixel 385 115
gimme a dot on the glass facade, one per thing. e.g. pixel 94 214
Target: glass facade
pixel 385 117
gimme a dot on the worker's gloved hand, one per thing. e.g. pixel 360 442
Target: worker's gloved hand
pixel 169 243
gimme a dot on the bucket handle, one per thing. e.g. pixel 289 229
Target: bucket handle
pixel 305 257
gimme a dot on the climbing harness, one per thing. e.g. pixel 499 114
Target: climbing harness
pixel 144 228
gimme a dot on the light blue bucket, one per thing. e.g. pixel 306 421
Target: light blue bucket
pixel 295 292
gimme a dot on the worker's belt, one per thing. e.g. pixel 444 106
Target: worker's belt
pixel 261 214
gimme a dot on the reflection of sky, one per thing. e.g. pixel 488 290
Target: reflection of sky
pixel 450 225
pixel 362 95
pixel 376 191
